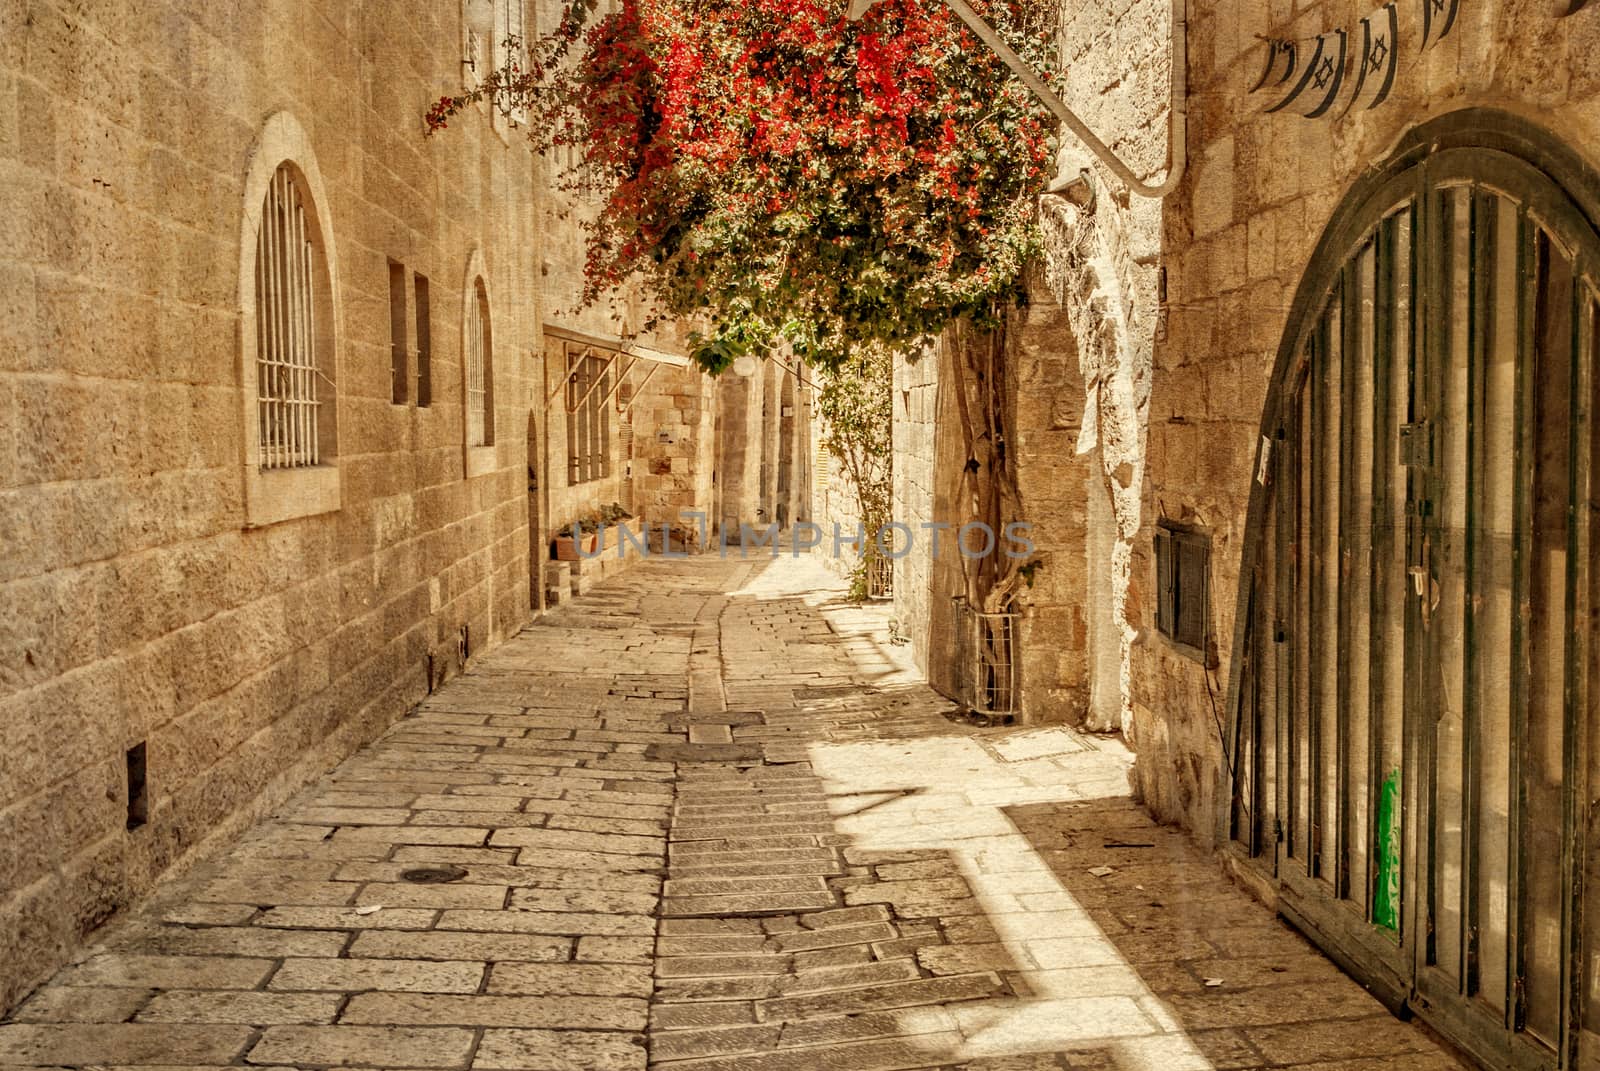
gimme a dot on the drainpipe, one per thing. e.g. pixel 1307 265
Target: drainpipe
pixel 1177 118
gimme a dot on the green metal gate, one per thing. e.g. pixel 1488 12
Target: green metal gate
pixel 1412 705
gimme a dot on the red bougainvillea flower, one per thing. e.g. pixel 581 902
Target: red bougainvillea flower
pixel 776 169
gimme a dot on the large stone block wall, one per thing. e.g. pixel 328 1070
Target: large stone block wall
pixel 140 606
pixel 756 445
pixel 916 400
pixel 834 505
pixel 1237 239
pixel 1046 391
pixel 674 418
pixel 1102 265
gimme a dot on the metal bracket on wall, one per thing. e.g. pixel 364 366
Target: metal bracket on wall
pixel 599 378
pixel 638 388
pixel 616 380
pixel 566 380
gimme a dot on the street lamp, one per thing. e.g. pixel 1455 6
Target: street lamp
pixel 1177 121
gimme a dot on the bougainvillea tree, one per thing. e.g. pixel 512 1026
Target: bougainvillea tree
pixel 777 171
pixel 790 178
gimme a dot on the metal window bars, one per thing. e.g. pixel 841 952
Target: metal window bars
pixel 592 380
pixel 477 388
pixel 286 357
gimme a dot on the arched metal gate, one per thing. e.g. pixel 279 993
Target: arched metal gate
pixel 1413 713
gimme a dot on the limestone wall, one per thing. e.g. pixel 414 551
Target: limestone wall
pixel 1237 238
pixel 1046 391
pixel 916 399
pixel 738 492
pixel 834 505
pixel 763 452
pixel 674 439
pixel 141 605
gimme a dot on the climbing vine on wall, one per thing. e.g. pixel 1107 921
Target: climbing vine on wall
pixel 781 173
pixel 857 409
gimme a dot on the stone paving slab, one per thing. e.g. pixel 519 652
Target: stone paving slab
pixel 729 829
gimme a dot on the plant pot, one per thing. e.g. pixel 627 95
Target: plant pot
pixel 568 550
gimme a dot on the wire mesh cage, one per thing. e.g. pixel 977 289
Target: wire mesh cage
pixel 988 651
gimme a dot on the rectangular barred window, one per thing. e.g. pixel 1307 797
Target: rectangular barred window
pixel 424 344
pixel 588 414
pixel 1182 563
pixel 286 358
pixel 398 350
pixel 514 42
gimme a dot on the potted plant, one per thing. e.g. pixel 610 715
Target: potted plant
pixel 578 541
pixel 616 518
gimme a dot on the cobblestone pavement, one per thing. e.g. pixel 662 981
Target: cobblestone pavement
pixel 706 819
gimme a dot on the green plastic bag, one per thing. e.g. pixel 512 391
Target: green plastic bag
pixel 1386 894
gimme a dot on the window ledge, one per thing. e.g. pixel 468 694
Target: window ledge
pixel 481 460
pixel 276 496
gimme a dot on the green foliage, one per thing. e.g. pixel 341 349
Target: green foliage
pixel 858 590
pixel 778 172
pixel 856 404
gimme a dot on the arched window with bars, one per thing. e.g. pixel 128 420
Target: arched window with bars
pixel 286 330
pixel 477 371
pixel 289 327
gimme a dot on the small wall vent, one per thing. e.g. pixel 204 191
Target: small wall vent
pixel 138 789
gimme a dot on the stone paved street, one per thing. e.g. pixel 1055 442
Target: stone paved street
pixel 707 818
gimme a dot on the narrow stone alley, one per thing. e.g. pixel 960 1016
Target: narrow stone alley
pixel 707 818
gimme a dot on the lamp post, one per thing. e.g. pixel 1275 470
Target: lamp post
pixel 1177 120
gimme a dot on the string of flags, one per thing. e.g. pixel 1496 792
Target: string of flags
pixel 1311 77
